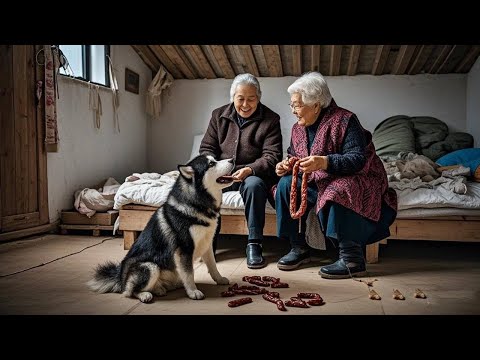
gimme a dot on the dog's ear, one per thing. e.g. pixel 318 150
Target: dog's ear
pixel 186 171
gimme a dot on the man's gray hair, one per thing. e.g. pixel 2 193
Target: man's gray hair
pixel 245 79
pixel 313 88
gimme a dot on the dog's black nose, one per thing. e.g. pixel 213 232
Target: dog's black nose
pixel 232 161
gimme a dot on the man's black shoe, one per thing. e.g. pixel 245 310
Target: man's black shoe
pixel 339 270
pixel 296 257
pixel 255 259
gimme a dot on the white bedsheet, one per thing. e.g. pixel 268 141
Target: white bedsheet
pixel 152 189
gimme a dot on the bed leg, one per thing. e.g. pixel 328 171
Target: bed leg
pixel 129 238
pixel 372 253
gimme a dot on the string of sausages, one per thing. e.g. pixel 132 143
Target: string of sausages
pixel 294 164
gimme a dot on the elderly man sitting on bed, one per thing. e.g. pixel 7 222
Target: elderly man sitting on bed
pixel 248 131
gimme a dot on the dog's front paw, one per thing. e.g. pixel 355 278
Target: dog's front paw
pixel 195 294
pixel 222 281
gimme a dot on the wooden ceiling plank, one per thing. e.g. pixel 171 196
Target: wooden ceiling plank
pixel 335 57
pixel 221 56
pixel 353 60
pixel 297 59
pixel 189 53
pixel 165 60
pixel 197 58
pixel 469 59
pixel 380 59
pixel 439 58
pixel 147 56
pixel 260 60
pixel 446 58
pixel 315 58
pixel 403 59
pixel 416 61
pixel 249 59
pixel 186 61
pixel 236 58
pixel 176 59
pixel 274 60
pixel 212 60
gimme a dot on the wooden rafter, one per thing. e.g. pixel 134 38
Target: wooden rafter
pixel 439 59
pixel 315 58
pixel 468 60
pixel 198 60
pixel 446 58
pixel 147 56
pixel 297 59
pixel 177 59
pixel 221 56
pixel 403 59
pixel 353 60
pixel 335 57
pixel 165 60
pixel 274 61
pixel 260 60
pixel 249 59
pixel 380 59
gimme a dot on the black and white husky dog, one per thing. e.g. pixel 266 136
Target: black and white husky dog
pixel 178 233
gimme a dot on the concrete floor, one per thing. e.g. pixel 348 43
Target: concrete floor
pixel 59 266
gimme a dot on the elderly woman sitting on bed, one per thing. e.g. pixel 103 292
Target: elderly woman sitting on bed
pixel 346 181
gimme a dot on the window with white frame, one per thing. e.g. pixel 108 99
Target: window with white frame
pixel 87 62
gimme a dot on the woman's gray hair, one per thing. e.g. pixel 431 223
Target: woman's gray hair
pixel 245 79
pixel 313 88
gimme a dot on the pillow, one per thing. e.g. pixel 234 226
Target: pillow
pixel 197 140
pixel 394 135
pixel 467 157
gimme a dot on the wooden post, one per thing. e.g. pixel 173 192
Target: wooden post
pixel 372 253
pixel 129 238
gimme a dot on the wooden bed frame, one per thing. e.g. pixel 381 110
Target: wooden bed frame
pixel 133 219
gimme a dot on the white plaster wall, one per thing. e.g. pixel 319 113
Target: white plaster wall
pixel 87 156
pixel 473 102
pixel 189 103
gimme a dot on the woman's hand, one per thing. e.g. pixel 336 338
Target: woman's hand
pixel 242 174
pixel 282 168
pixel 313 163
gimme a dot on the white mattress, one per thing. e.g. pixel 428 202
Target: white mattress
pixel 152 189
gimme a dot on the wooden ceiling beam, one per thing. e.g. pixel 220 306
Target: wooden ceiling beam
pixel 236 58
pixel 221 56
pixel 297 59
pixel 335 57
pixel 198 60
pixel 380 59
pixel 177 58
pixel 403 59
pixel 260 60
pixel 212 60
pixel 147 56
pixel 165 60
pixel 274 60
pixel 469 59
pixel 249 59
pixel 353 60
pixel 446 59
pixel 439 59
pixel 315 58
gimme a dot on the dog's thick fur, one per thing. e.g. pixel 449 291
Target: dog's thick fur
pixel 178 233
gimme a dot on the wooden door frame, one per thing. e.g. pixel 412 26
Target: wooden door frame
pixel 41 158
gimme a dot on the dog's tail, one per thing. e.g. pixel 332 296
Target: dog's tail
pixel 106 279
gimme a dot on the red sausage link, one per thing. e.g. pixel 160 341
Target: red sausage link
pixel 227 293
pixel 316 302
pixel 294 164
pixel 309 295
pixel 239 302
pixel 279 285
pixel 270 278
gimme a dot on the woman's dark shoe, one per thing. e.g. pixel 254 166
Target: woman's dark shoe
pixel 339 270
pixel 255 260
pixel 296 257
